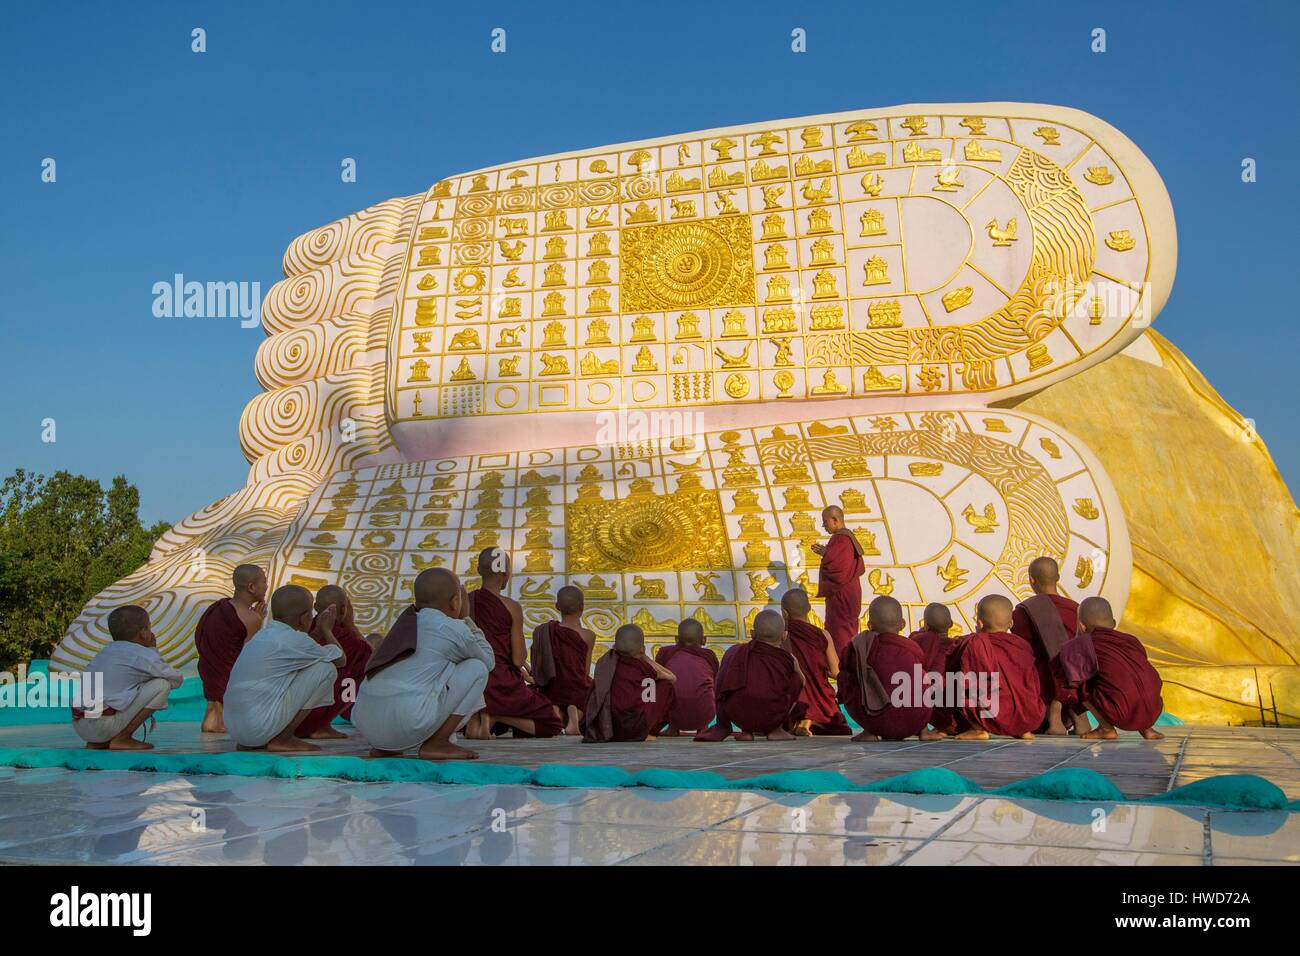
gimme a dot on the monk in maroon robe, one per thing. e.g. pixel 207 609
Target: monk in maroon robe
pixel 631 695
pixel 759 686
pixel 223 630
pixel 1001 693
pixel 838 580
pixel 815 651
pixel 882 678
pixel 696 669
pixel 317 724
pixel 937 647
pixel 560 655
pixel 1047 620
pixel 511 699
pixel 1108 673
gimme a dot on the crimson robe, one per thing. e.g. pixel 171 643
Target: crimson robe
pixel 937 650
pixel 808 644
pixel 218 638
pixel 507 695
pixel 1046 647
pixel 358 651
pixel 564 680
pixel 1125 690
pixel 617 709
pixel 696 670
pixel 868 700
pixel 838 582
pixel 1020 708
pixel 758 688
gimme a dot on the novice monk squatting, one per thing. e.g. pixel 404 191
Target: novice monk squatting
pixel 880 665
pixel 1047 621
pixel 838 579
pixel 135 683
pixel 937 647
pixel 357 649
pixel 283 674
pixel 759 686
pixel 223 630
pixel 510 699
pixel 1013 706
pixel 560 655
pixel 1107 672
pixel 814 649
pixel 631 695
pixel 427 677
pixel 696 669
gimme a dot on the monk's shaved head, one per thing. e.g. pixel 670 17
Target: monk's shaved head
pixel 1044 570
pixel 938 618
pixel 436 588
pixel 690 632
pixel 1096 612
pixel 126 622
pixel 289 603
pixel 795 603
pixel 885 616
pixel 246 575
pixel 769 627
pixel 330 594
pixel 833 511
pixel 493 562
pixel 569 600
pixel 629 640
pixel 994 612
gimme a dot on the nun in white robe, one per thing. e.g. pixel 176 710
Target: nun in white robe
pixel 280 672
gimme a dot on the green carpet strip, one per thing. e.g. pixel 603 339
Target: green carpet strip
pixel 1229 791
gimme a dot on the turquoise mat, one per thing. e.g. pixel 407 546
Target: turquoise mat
pixel 1230 791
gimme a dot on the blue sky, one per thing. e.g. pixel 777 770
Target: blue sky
pixel 208 165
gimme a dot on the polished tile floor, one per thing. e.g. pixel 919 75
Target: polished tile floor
pixel 60 816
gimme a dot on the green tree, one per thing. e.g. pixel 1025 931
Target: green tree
pixel 62 540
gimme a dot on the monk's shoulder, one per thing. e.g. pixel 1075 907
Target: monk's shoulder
pixel 588 636
pixel 514 607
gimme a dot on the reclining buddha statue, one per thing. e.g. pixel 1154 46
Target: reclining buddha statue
pixel 646 368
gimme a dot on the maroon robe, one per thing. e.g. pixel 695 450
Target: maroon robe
pixel 218 638
pixel 1032 621
pixel 808 644
pixel 507 695
pixel 758 688
pixel 617 709
pixel 696 670
pixel 838 582
pixel 559 661
pixel 867 680
pixel 1124 689
pixel 1019 701
pixel 938 650
pixel 358 651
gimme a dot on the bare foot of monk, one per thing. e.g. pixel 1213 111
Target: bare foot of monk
pixel 280 745
pixel 212 719
pixel 103 746
pixel 445 751
pixel 928 734
pixel 1055 726
pixel 573 728
pixel 650 738
pixel 780 734
pixel 803 728
pixel 744 736
pixel 1152 734
pixel 973 734
pixel 378 754
pixel 327 733
pixel 1101 733
pixel 129 743
pixel 1081 725
pixel 1025 737
pixel 864 738
pixel 479 727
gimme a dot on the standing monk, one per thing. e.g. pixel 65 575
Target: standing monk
pixel 631 695
pixel 815 651
pixel 1002 665
pixel 759 686
pixel 561 658
pixel 937 647
pixel 1047 620
pixel 225 627
pixel 838 579
pixel 509 698
pixel 870 678
pixel 696 669
pixel 358 651
pixel 1107 672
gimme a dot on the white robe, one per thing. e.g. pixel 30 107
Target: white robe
pixel 402 705
pixel 278 673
